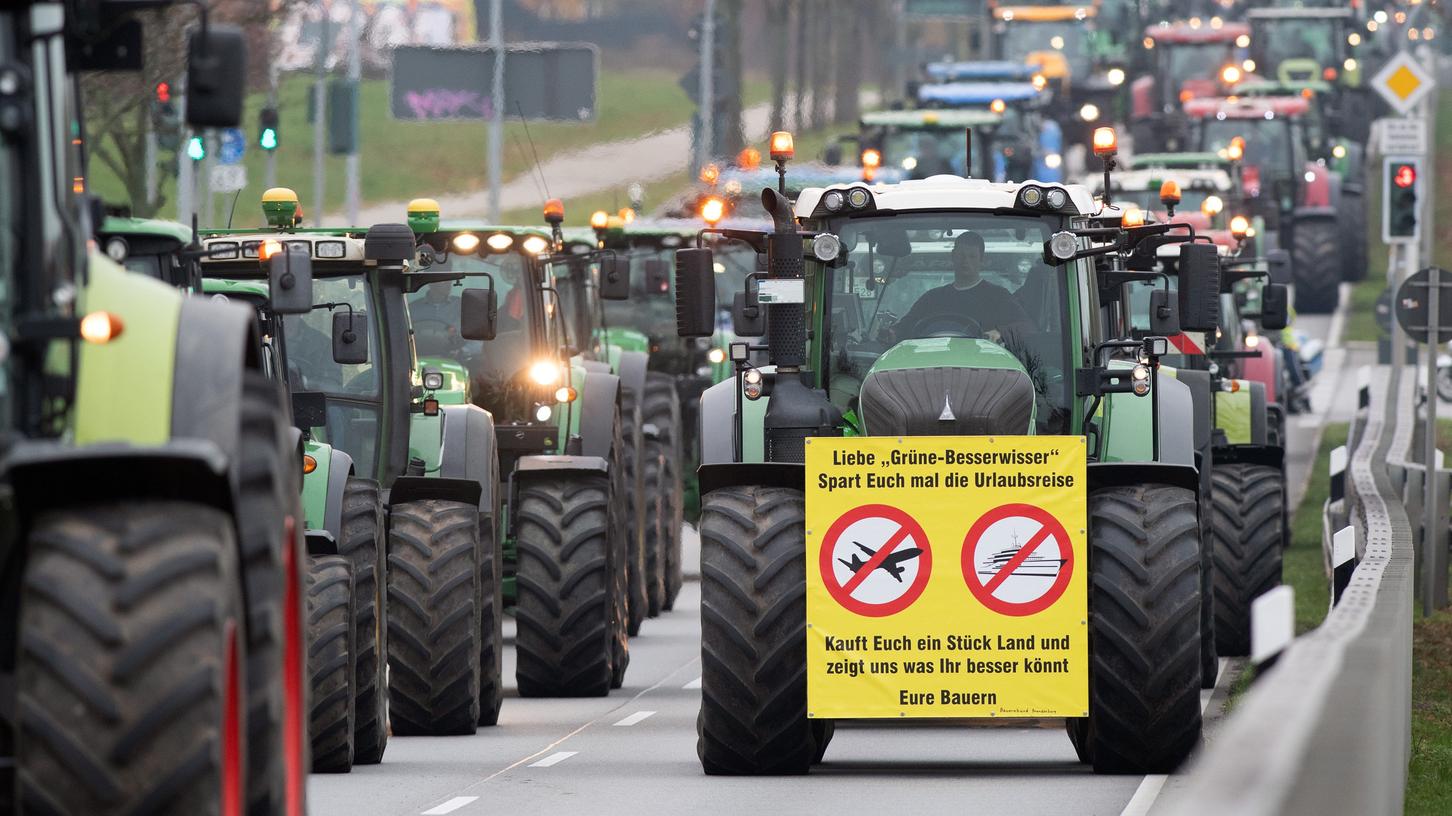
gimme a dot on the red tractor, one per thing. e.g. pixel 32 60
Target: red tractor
pixel 1188 60
pixel 1300 201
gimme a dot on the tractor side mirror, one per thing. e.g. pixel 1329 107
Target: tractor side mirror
pixel 614 278
pixel 1199 287
pixel 350 338
pixel 747 321
pixel 1164 314
pixel 290 281
pixel 216 71
pixel 1275 310
pixel 657 276
pixel 695 293
pixel 1279 261
pixel 309 409
pixel 832 153
pixel 478 314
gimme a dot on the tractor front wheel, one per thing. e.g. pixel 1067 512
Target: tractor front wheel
pixel 662 408
pixel 332 645
pixel 1144 631
pixel 1246 522
pixel 433 628
pixel 1317 265
pixel 363 545
pixel 753 634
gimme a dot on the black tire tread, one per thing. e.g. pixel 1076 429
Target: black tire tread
pixel 332 653
pixel 364 547
pixel 662 408
pixel 1317 263
pixel 1246 523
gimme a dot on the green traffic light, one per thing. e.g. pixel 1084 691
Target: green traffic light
pixel 196 149
pixel 268 139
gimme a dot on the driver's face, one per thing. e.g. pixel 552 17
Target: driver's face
pixel 967 264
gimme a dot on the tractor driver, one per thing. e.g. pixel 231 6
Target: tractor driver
pixel 969 306
pixel 436 319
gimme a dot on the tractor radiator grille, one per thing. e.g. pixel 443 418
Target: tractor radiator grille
pixel 947 401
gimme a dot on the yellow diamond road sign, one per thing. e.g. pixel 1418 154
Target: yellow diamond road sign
pixel 1402 82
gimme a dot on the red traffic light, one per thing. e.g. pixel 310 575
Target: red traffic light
pixel 163 92
pixel 1404 175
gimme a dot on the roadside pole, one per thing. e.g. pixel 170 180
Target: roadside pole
pixel 706 107
pixel 496 110
pixel 355 73
pixel 320 113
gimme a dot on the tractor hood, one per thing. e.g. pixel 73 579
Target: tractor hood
pixel 947 386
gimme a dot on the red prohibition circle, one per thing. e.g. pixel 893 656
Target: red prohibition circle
pixel 980 590
pixel 840 593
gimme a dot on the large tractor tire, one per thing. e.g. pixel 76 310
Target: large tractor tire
pixel 632 463
pixel 1247 526
pixel 617 527
pixel 363 544
pixel 1316 264
pixel 662 408
pixel 1144 631
pixel 491 608
pixel 269 520
pixel 332 653
pixel 566 611
pixel 1354 257
pixel 131 648
pixel 433 628
pixel 657 524
pixel 753 634
pixel 1209 655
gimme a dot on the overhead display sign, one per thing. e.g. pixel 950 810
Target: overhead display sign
pixel 1402 82
pixel 541 81
pixel 946 577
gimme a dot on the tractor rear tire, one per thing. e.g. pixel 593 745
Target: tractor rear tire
pixel 632 452
pixel 1209 656
pixel 364 546
pixel 662 408
pixel 565 609
pixel 433 631
pixel 753 634
pixel 657 524
pixel 131 649
pixel 617 529
pixel 1144 631
pixel 332 649
pixel 491 609
pixel 1316 255
pixel 1246 523
pixel 269 521
pixel 1353 235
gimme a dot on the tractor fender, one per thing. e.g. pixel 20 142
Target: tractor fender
pixel 595 366
pixel 1199 384
pixel 214 337
pixel 763 474
pixel 340 467
pixel 1177 410
pixel 321 542
pixel 469 446
pixel 548 464
pixel 1126 474
pixel 1312 213
pixel 1318 190
pixel 718 426
pixel 43 475
pixel 632 367
pixel 419 488
pixel 1257 413
pixel 597 413
pixel 1269 455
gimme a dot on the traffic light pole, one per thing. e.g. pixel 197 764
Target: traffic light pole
pixel 320 115
pixel 496 110
pixel 355 72
pixel 706 107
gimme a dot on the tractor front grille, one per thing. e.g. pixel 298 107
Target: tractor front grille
pixel 947 401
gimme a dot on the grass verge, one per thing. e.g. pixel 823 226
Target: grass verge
pixel 1303 567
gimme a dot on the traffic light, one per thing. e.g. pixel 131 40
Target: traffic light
pixel 267 128
pixel 165 118
pixel 197 148
pixel 1401 188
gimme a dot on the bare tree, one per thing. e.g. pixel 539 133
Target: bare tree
pixel 778 15
pixel 799 108
pixel 847 79
pixel 822 21
pixel 728 116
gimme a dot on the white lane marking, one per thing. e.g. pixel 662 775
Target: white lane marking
pixel 1145 795
pixel 694 684
pixel 450 806
pixel 635 718
pixel 1338 318
pixel 1310 422
pixel 553 759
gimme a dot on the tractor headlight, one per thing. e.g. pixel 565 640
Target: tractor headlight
pixel 536 245
pixel 834 200
pixel 433 380
pixel 1139 380
pixel 1115 76
pixel 1090 112
pixel 716 356
pixel 826 247
pixel 543 413
pixel 1056 198
pixel 545 372
pixel 500 241
pixel 465 243
pixel 1063 245
pixel 858 197
pixel 751 384
pixel 117 248
pixel 1031 196
pixel 1053 161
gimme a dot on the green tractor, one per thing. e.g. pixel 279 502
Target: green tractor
pixel 152 247
pixel 345 534
pixel 1301 45
pixel 857 347
pixel 358 387
pixel 570 508
pixel 150 535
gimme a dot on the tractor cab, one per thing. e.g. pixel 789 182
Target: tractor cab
pixel 909 144
pixel 1264 136
pixel 1025 142
pixel 151 247
pixel 1187 60
pixel 1303 45
pixel 1081 62
pixel 1201 196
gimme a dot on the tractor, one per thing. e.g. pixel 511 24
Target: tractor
pixel 1301 202
pixel 854 350
pixel 568 511
pixel 1299 45
pixel 352 369
pixel 152 543
pixel 1022 138
pixel 151 247
pixel 1186 60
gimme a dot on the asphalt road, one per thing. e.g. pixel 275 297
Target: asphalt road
pixel 634 752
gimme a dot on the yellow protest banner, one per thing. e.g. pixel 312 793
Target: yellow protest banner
pixel 946 577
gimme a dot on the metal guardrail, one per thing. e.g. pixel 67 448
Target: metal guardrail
pixel 1327 728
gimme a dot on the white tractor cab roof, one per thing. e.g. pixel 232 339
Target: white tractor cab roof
pixel 945 192
pixel 1150 179
pixel 323 246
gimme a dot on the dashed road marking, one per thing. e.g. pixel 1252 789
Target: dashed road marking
pixel 694 684
pixel 450 806
pixel 635 718
pixel 553 759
